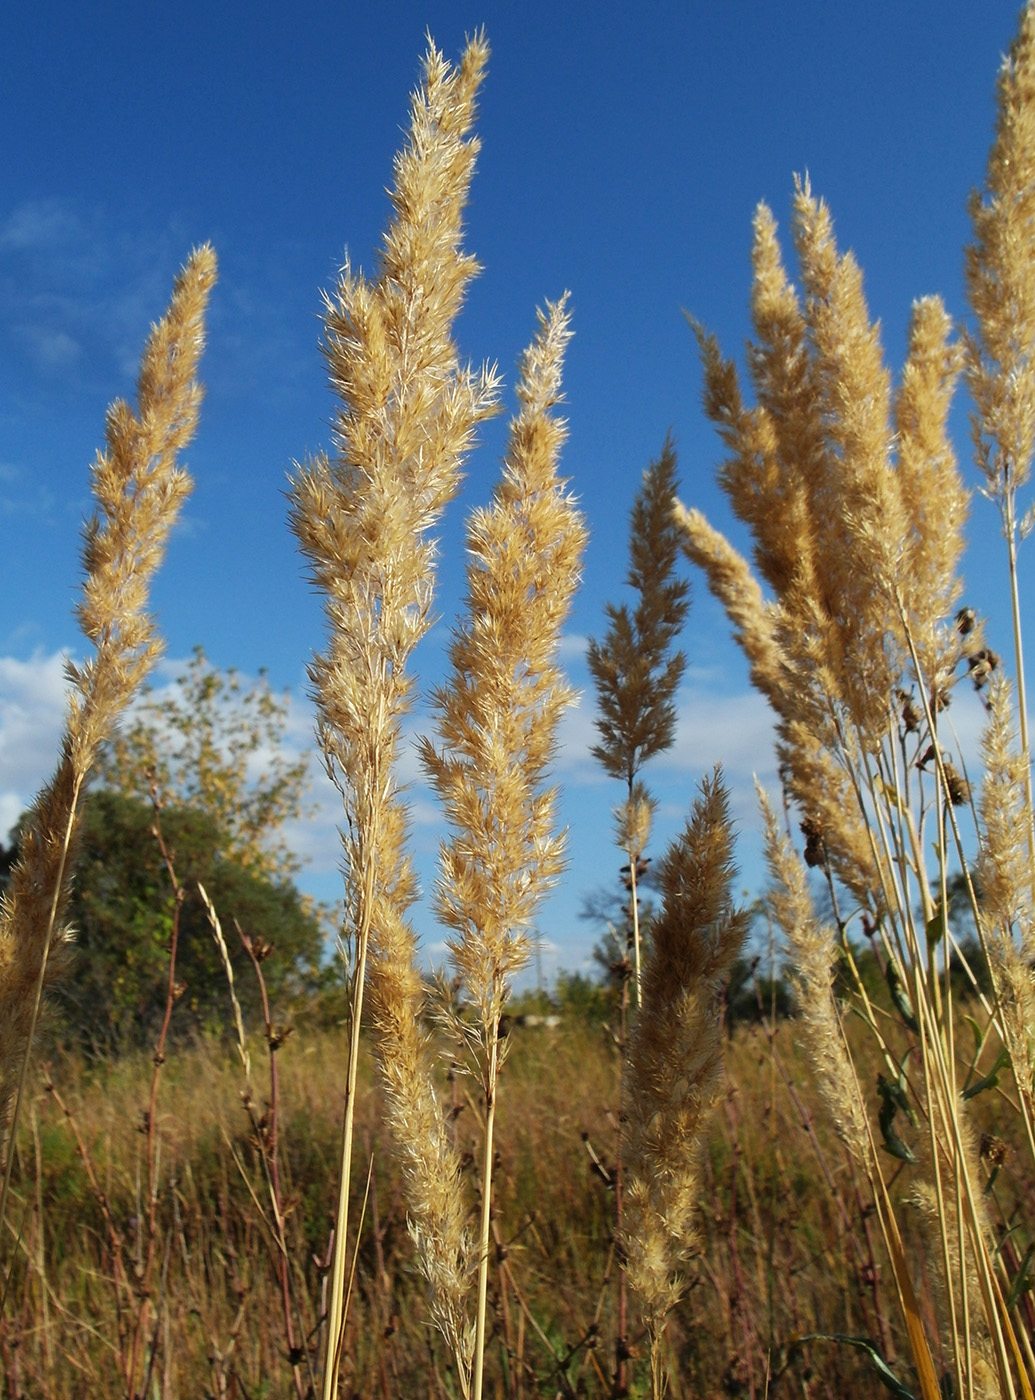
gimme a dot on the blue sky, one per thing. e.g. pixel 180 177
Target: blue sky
pixel 624 151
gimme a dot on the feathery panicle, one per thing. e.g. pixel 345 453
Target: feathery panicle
pixel 436 1213
pixel 733 584
pixel 498 716
pixel 855 501
pixel 1002 868
pixel 783 428
pixel 846 536
pixel 1001 350
pixel 814 953
pixel 636 674
pixel 1001 280
pixel 789 394
pixel 933 495
pixel 497 721
pixel 633 820
pixel 407 416
pixel 1004 878
pixel 675 1058
pixel 139 490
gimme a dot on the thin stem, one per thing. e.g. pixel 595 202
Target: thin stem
pixel 336 1314
pixel 486 1215
pixel 1010 530
pixel 37 1002
pixel 267 1138
pixel 634 910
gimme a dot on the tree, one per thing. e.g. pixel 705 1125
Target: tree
pixel 216 746
pixel 121 911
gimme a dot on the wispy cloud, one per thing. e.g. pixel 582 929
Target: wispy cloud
pixel 39 224
pixel 32 716
pixel 80 285
pixel 78 288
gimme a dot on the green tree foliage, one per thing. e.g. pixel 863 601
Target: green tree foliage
pixel 214 745
pixel 122 913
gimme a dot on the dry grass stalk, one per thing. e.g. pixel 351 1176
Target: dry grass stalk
pixel 1001 349
pixel 407 417
pixel 855 501
pixel 497 722
pixel 139 489
pixel 814 951
pixel 636 671
pixel 675 1058
pixel 637 675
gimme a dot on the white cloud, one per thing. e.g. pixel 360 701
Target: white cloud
pixel 49 348
pixel 32 717
pixel 572 648
pixel 39 223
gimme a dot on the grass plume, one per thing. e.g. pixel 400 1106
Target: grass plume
pixel 497 721
pixel 407 415
pixel 139 488
pixel 674 1070
pixel 635 669
pixel 855 501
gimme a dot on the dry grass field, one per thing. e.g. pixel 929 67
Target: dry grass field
pixel 427 1196
pixel 790 1247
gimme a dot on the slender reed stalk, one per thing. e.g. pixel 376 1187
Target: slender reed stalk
pixel 636 672
pixel 675 1058
pixel 497 720
pixel 139 490
pixel 852 494
pixel 1001 348
pixel 637 675
pixel 407 418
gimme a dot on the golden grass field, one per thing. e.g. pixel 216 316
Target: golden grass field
pixel 790 1246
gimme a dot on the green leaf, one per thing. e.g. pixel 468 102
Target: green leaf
pixel 892 1098
pixel 1022 1281
pixel 991 1079
pixel 978 1034
pixel 884 1371
pixel 936 927
pixel 900 996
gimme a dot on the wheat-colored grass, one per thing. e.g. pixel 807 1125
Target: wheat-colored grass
pixel 857 507
pixel 674 1071
pixel 407 417
pixel 139 488
pixel 497 723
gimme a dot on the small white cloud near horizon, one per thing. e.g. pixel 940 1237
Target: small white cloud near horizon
pixel 33 700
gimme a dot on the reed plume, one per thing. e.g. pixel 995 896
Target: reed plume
pixel 854 498
pixel 139 490
pixel 1000 349
pixel 497 723
pixel 674 1068
pixel 1005 916
pixel 637 675
pixel 407 417
pixel 636 671
pixel 813 948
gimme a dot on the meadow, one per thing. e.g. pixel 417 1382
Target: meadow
pixel 790 1245
pixel 428 1193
